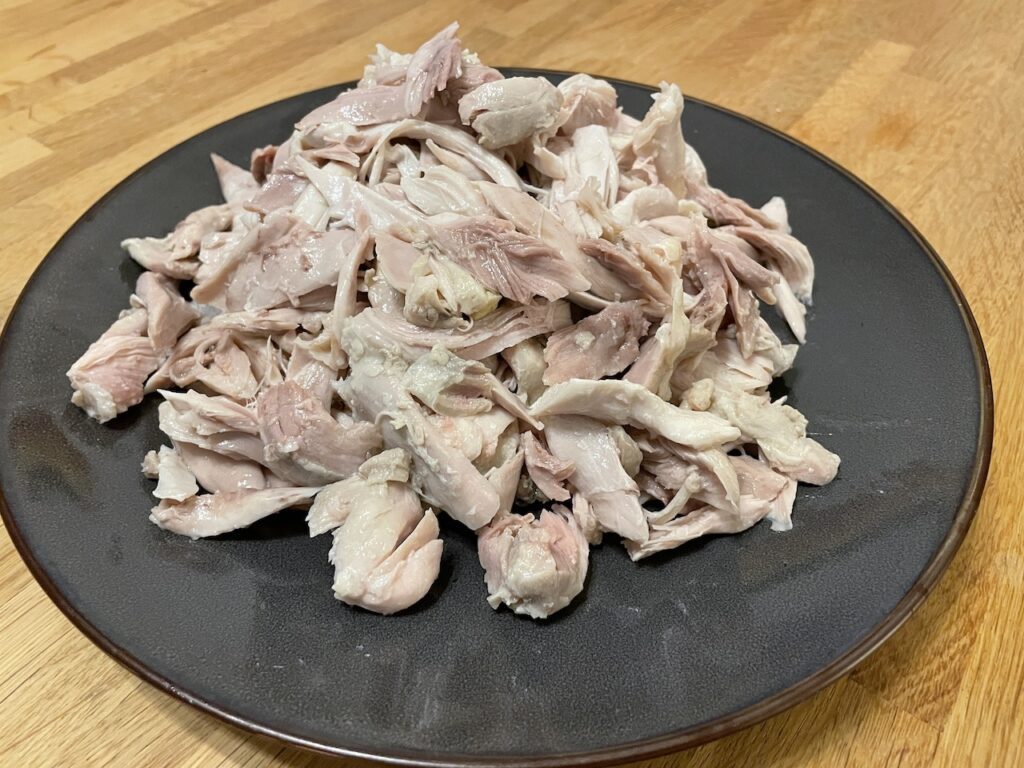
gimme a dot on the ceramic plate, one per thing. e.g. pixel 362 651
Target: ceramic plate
pixel 681 648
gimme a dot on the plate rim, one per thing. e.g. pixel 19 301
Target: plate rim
pixel 674 741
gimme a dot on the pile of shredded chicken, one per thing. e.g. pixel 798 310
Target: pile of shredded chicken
pixel 452 291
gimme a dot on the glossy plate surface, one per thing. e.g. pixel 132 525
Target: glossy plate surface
pixel 677 650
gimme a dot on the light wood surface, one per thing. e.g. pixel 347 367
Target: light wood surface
pixel 923 99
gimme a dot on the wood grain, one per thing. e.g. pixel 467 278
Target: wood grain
pixel 922 99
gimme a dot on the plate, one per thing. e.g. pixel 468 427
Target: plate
pixel 661 655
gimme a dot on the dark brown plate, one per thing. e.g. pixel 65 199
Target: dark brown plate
pixel 673 652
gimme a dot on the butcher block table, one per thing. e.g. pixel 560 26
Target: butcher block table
pixel 922 99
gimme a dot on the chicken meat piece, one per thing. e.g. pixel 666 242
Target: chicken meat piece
pixel 532 218
pixel 534 565
pixel 212 414
pixel 714 470
pixel 386 550
pixel 442 190
pixel 762 493
pixel 660 355
pixel 386 67
pixel 381 295
pixel 501 329
pixel 586 101
pixel 658 144
pixel 508 111
pixel 760 481
pixel 356 206
pixel 400 262
pixel 369 105
pixel 781 513
pixel 218 247
pixel 308 369
pixel 397 86
pixel 726 367
pixel 332 505
pixel 266 360
pixel 237 185
pixel 583 172
pixel 441 474
pixel 268 321
pixel 450 385
pixel 630 278
pixel 109 378
pixel 452 140
pixel 661 254
pixel 667 468
pixel 548 472
pixel 504 478
pixel 174 479
pixel 598 475
pixel 175 254
pixel 356 250
pixel 589 160
pixel 323 146
pixel 441 294
pixel 508 262
pixel 777 212
pixel 643 205
pixel 216 424
pixel 212 357
pixel 474 74
pixel 303 444
pixel 781 434
pixel 388 554
pixel 281 192
pixel 597 346
pixel 438 292
pixel 211 514
pixel 216 472
pixel 588 524
pixel 455 161
pixel 526 359
pixel 478 437
pixel 792 310
pixel 735 253
pixel 630 454
pixel 435 63
pixel 786 253
pixel 721 289
pixel 261 162
pixel 743 260
pixel 277 264
pixel 168 315
pixel 622 402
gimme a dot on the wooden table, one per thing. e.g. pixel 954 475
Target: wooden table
pixel 923 99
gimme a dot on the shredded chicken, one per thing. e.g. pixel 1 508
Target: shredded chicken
pixel 452 291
